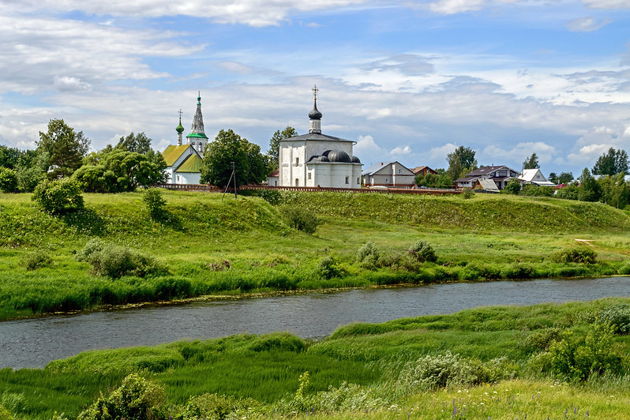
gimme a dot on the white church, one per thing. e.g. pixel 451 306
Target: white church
pixel 183 161
pixel 316 159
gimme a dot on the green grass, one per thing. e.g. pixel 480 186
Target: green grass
pixel 267 367
pixel 496 237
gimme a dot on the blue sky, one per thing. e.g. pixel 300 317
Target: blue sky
pixel 408 81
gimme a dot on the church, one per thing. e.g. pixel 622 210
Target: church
pixel 183 161
pixel 316 159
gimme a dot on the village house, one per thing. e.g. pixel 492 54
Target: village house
pixel 389 174
pixel 316 159
pixel 183 161
pixel 500 175
pixel 423 171
pixel 535 177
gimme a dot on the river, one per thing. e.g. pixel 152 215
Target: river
pixel 35 342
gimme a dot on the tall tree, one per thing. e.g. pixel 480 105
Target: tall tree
pixel 589 189
pixel 274 144
pixel 553 177
pixel 612 163
pixel 227 148
pixel 531 162
pixel 63 149
pixel 565 177
pixel 9 157
pixel 460 161
pixel 138 143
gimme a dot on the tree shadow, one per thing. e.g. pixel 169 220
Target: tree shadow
pixel 85 221
pixel 168 219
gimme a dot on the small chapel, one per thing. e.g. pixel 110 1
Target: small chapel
pixel 183 161
pixel 316 159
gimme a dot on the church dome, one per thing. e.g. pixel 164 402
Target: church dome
pixel 338 156
pixel 315 114
pixel 355 159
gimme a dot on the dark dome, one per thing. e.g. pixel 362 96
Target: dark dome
pixel 339 156
pixel 315 114
pixel 317 158
pixel 355 159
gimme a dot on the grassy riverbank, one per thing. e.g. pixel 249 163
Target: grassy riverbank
pixel 217 245
pixel 556 361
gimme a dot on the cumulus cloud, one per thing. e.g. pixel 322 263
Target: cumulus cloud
pixel 607 4
pixel 400 151
pixel 498 155
pixel 408 64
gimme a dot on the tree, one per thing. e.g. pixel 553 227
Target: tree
pixel 9 157
pixel 227 148
pixel 63 148
pixel 274 144
pixel 138 143
pixel 8 180
pixel 589 189
pixel 513 187
pixel 565 177
pixel 460 161
pixel 553 177
pixel 531 162
pixel 440 180
pixel 612 163
pixel 615 190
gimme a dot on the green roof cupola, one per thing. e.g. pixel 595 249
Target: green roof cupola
pixel 197 137
pixel 179 129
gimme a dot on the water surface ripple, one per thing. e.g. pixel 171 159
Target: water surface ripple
pixel 35 342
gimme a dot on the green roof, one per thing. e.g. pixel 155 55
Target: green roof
pixel 197 136
pixel 191 164
pixel 172 153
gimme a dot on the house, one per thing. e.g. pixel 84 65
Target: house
pixel 390 174
pixel 272 178
pixel 423 171
pixel 534 176
pixel 485 185
pixel 183 164
pixel 501 175
pixel 183 161
pixel 318 160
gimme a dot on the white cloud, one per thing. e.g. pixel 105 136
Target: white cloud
pixel 457 6
pixel 400 151
pixel 367 145
pixel 250 12
pixel 607 4
pixel 440 153
pixel 587 155
pixel 493 154
pixel 587 24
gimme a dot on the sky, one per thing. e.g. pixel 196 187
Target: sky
pixel 407 80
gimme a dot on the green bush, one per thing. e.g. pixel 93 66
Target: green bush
pixel 117 261
pixel 422 252
pixel 540 340
pixel 617 318
pixel 28 177
pixel 328 268
pixel 301 219
pixel 468 193
pixel 513 187
pixel 155 203
pixel 577 358
pixel 213 407
pixel 368 255
pixel 59 197
pixel 136 399
pixel 625 268
pixel 581 255
pixel 8 180
pixel 36 259
pixel 570 192
pixel 438 371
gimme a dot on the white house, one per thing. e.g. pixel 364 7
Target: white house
pixel 390 174
pixel 316 159
pixel 500 175
pixel 534 176
pixel 183 161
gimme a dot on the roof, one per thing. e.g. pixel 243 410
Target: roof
pixel 418 169
pixel 488 184
pixel 316 137
pixel 172 153
pixel 528 174
pixel 275 173
pixel 485 170
pixel 375 168
pixel 192 164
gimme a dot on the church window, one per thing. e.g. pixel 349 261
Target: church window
pixel 309 175
pixel 347 180
pixel 297 182
pixel 297 161
pixel 358 181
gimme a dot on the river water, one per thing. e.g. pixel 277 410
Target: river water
pixel 35 342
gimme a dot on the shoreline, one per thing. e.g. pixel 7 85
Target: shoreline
pixel 277 293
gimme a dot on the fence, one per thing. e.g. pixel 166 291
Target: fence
pixel 212 188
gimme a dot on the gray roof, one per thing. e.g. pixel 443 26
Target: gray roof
pixel 375 168
pixel 317 137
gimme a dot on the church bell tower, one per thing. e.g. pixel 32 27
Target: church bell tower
pixel 197 137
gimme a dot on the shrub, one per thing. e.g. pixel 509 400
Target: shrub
pixel 513 187
pixel 577 358
pixel 443 370
pixel 36 259
pixel 468 193
pixel 617 318
pixel 368 255
pixel 422 252
pixel 625 268
pixel 155 204
pixel 117 261
pixel 59 197
pixel 328 268
pixel 8 180
pixel 213 407
pixel 136 399
pixel 541 340
pixel 28 177
pixel 570 192
pixel 301 219
pixel 582 255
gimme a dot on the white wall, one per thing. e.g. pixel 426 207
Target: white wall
pixel 187 178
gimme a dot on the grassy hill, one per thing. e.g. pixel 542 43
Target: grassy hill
pixel 501 362
pixel 214 244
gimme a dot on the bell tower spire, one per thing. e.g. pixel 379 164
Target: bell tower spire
pixel 197 137
pixel 315 116
pixel 179 129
